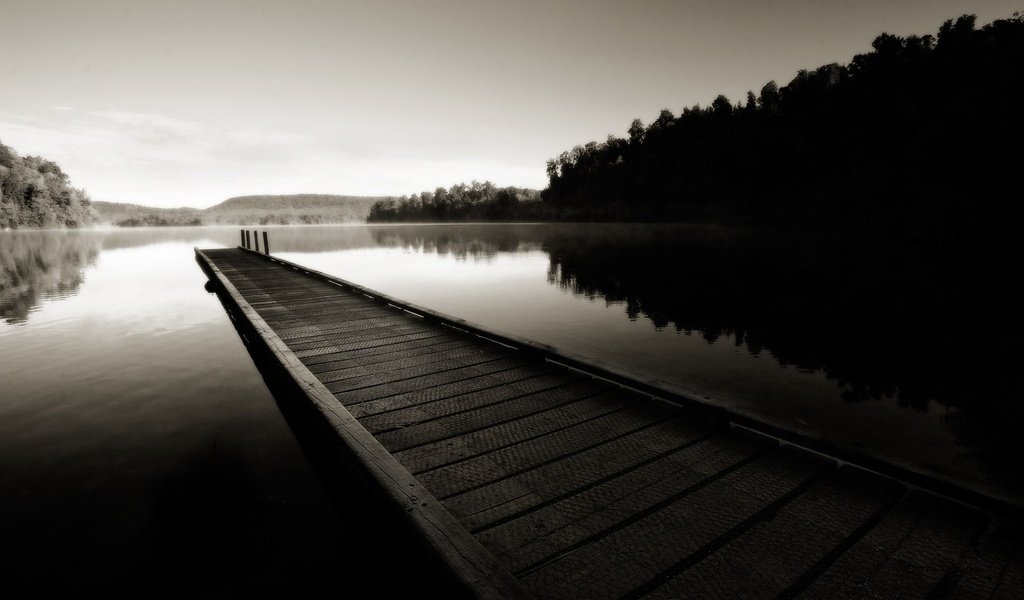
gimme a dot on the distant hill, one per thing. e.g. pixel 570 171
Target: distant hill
pixel 246 210
pixel 136 215
pixel 295 208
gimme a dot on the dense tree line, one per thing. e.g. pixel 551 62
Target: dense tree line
pixel 474 202
pixel 921 131
pixel 35 192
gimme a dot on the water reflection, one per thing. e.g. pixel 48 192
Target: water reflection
pixel 907 347
pixel 39 265
pixel 462 241
pixel 36 266
pixel 928 325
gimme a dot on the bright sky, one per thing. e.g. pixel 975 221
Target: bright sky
pixel 186 103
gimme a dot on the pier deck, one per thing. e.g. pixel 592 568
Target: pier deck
pixel 530 478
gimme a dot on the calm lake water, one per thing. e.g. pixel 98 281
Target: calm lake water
pixel 127 398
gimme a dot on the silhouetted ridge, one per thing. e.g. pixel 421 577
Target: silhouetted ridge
pixel 247 210
pixel 293 202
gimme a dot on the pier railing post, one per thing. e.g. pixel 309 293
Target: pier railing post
pixel 266 244
pixel 242 233
pixel 256 239
pixel 247 238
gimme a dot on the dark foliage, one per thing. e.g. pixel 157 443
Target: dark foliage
pixel 474 202
pixel 35 192
pixel 921 132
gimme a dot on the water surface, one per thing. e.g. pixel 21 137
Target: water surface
pixel 140 451
pixel 123 383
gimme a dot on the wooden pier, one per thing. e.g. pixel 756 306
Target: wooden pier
pixel 529 473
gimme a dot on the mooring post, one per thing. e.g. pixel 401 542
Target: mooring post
pixel 247 238
pixel 266 244
pixel 242 232
pixel 256 239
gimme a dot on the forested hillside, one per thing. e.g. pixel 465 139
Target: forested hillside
pixel 136 215
pixel 245 210
pixel 923 131
pixel 295 208
pixel 35 192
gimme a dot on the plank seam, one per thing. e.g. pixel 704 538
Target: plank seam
pixel 633 518
pixel 488 405
pixel 534 437
pixel 592 484
pixel 708 549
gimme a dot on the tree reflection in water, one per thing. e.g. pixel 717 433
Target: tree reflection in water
pixel 926 323
pixel 38 265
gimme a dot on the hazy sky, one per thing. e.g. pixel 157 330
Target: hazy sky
pixel 187 102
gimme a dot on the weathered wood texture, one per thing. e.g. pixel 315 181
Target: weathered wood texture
pixel 535 479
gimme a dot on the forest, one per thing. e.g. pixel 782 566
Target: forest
pixel 922 132
pixel 35 192
pixel 461 202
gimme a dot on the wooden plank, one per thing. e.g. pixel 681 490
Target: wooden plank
pixel 995 571
pixel 455 363
pixel 372 343
pixel 273 305
pixel 319 313
pixel 454 389
pixel 443 356
pixel 909 554
pixel 348 330
pixel 558 527
pixel 363 336
pixel 626 558
pixel 503 500
pixel 427 457
pixel 418 384
pixel 776 556
pixel 330 362
pixel 569 429
pixel 300 298
pixel 342 315
pixel 463 422
pixel 316 332
pixel 305 300
pixel 468 562
pixel 399 418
